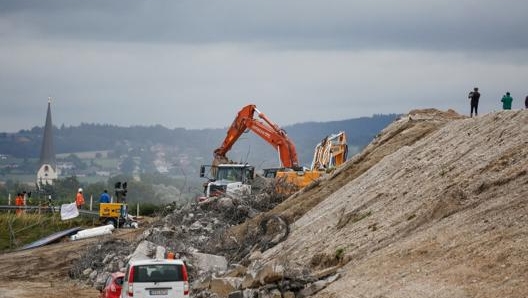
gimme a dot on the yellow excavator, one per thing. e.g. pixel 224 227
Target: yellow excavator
pixel 330 153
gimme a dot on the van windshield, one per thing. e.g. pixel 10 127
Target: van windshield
pixel 158 273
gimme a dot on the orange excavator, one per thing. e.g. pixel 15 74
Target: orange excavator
pixel 266 129
pixel 235 179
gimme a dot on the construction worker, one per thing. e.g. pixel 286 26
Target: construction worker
pixel 170 255
pixel 19 201
pixel 105 197
pixel 79 199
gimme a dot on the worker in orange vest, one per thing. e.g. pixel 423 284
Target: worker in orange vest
pixel 79 199
pixel 19 201
pixel 170 255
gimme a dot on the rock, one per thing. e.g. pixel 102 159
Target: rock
pixel 256 255
pixel 326 272
pixel 237 271
pixel 223 286
pixel 87 271
pixel 251 293
pixel 317 286
pixel 237 294
pixel 225 203
pixel 143 251
pixel 288 294
pixel 275 293
pixel 101 278
pixel 93 275
pixel 108 258
pixel 196 226
pixel 269 273
pixel 201 284
pixel 121 265
pixel 207 262
pixel 160 252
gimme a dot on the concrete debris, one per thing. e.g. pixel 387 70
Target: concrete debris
pixel 209 263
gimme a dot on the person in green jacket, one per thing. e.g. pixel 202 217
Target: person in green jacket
pixel 506 101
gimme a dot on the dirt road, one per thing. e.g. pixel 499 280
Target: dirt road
pixel 43 272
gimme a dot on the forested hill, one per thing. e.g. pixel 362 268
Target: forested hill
pixel 195 143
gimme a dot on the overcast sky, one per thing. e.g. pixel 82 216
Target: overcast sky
pixel 195 64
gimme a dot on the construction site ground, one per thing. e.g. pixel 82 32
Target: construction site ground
pixel 43 272
pixel 436 206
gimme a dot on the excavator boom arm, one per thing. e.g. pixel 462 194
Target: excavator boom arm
pixel 279 140
pixel 234 132
pixel 267 130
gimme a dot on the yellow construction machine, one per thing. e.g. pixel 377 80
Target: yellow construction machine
pixel 330 153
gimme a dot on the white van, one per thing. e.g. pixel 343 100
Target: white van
pixel 157 278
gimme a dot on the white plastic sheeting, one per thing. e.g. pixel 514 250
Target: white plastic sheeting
pixel 68 211
pixel 93 232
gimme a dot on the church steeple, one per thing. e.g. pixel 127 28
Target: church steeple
pixel 47 152
pixel 48 165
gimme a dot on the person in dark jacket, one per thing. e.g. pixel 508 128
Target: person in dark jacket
pixel 526 102
pixel 474 99
pixel 507 101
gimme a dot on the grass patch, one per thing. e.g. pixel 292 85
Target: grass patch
pixel 17 231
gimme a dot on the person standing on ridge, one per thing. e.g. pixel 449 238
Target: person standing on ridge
pixel 474 98
pixel 105 197
pixel 507 101
pixel 526 102
pixel 79 199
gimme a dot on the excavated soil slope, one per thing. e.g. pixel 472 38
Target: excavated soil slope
pixel 436 206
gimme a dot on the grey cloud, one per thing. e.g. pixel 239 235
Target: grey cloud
pixel 195 63
pixel 431 25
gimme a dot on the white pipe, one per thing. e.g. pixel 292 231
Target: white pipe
pixel 97 231
pixel 89 234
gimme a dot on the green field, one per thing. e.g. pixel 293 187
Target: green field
pixel 17 231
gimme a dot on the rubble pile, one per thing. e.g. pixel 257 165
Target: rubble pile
pixel 96 264
pixel 194 232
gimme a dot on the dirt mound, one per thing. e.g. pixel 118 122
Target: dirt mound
pixel 435 206
pixel 403 132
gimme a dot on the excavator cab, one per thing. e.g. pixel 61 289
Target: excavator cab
pixel 227 179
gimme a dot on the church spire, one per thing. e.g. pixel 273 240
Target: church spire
pixel 47 152
pixel 48 167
